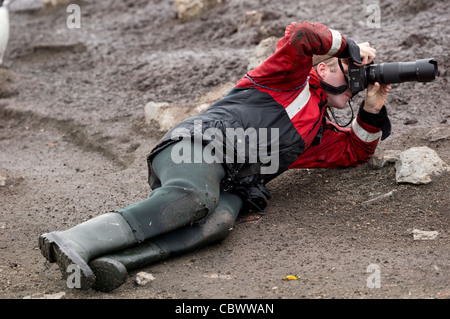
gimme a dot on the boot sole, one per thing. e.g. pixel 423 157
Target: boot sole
pixel 56 249
pixel 109 274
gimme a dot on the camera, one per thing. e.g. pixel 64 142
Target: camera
pixel 424 70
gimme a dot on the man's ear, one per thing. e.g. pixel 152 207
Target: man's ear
pixel 322 70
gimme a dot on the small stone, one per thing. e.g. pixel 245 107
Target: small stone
pixel 55 3
pixel 2 180
pixel 143 278
pixel 251 18
pixel 379 198
pixel 59 295
pixel 190 9
pixel 439 133
pixel 381 159
pixel 262 51
pixel 218 276
pixel 410 121
pixel 424 234
pixel 162 113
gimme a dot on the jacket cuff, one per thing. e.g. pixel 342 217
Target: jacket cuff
pixel 351 51
pixel 365 132
pixel 379 120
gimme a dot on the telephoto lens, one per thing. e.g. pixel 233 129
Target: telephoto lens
pixel 424 70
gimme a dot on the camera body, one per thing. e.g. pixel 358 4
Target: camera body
pixel 424 70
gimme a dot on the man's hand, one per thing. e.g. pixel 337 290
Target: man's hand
pixel 376 97
pixel 376 93
pixel 367 53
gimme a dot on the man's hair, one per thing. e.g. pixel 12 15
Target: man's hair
pixel 329 61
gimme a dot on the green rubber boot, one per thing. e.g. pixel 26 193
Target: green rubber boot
pixel 79 245
pixel 111 270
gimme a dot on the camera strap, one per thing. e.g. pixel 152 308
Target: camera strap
pixel 335 119
pixel 333 89
pixel 336 90
pixel 343 72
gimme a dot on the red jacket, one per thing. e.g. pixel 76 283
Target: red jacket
pixel 282 94
pixel 290 67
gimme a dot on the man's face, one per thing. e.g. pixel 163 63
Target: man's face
pixel 336 79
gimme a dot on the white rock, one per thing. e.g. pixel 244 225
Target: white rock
pixel 417 165
pixel 143 278
pixel 161 113
pixel 55 3
pixel 167 115
pixel 262 51
pixel 439 133
pixel 251 18
pixel 58 295
pixel 380 159
pixel 424 234
pixel 189 9
pixel 2 180
pixel 217 276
